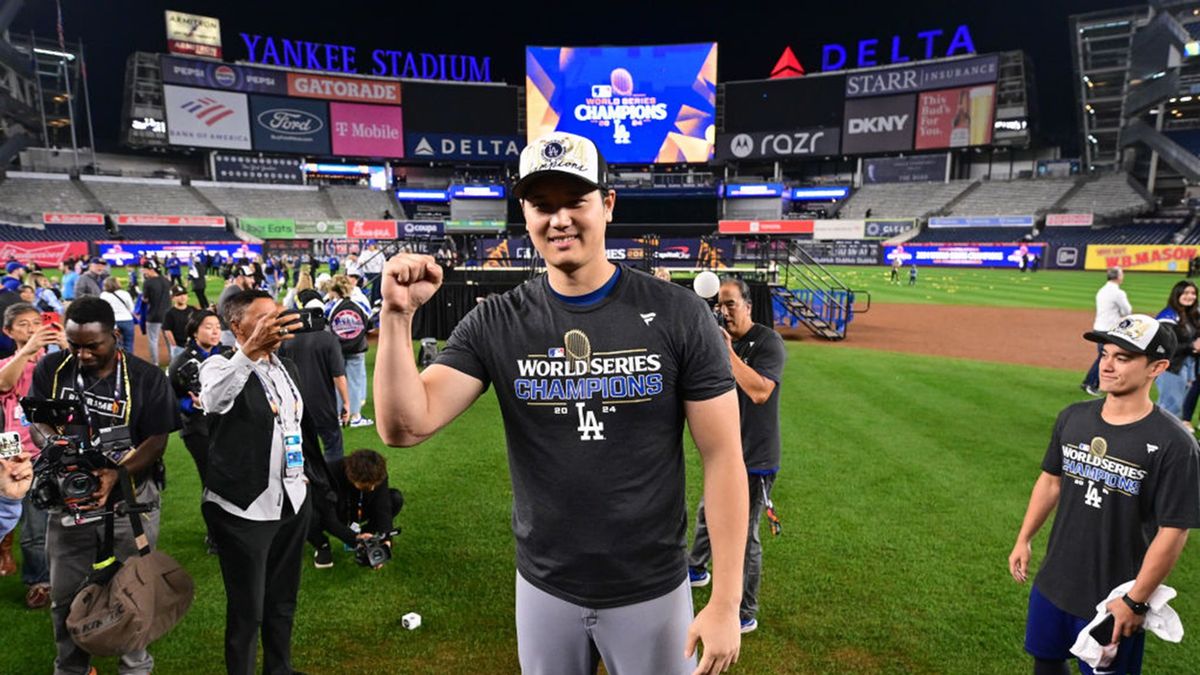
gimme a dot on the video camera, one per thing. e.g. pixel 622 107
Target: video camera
pixel 375 551
pixel 64 474
pixel 188 375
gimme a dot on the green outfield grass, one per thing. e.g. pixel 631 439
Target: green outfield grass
pixel 1051 289
pixel 904 482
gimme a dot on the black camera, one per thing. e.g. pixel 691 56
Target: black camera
pixel 310 320
pixel 188 375
pixel 375 551
pixel 64 473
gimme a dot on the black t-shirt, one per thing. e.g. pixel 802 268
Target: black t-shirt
pixel 1119 485
pixel 147 401
pixel 592 400
pixel 318 359
pixel 762 349
pixel 348 322
pixel 175 322
pixel 157 292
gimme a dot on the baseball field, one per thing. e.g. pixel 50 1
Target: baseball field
pixel 909 453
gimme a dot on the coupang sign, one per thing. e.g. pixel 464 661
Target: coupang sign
pixel 928 44
pixel 306 55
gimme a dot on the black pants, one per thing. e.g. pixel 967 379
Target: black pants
pixel 201 295
pixel 260 564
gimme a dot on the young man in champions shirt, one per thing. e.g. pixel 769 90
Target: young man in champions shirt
pixel 596 368
pixel 1125 479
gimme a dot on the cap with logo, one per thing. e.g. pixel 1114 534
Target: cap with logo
pixel 97 260
pixel 1140 334
pixel 246 270
pixel 564 154
pixel 178 290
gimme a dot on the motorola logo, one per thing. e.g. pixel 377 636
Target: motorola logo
pixel 741 146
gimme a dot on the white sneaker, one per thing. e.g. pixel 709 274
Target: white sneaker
pixel 361 422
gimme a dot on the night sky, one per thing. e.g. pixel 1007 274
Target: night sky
pixel 751 40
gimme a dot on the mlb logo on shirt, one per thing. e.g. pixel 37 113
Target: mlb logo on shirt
pixel 556 353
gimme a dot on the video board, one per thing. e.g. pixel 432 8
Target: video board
pixel 638 104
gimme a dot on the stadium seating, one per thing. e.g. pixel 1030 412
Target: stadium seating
pixel 52 233
pixel 146 195
pixel 1016 197
pixel 1110 196
pixel 357 202
pixel 901 200
pixel 1124 234
pixel 25 196
pixel 296 202
pixel 972 234
pixel 156 233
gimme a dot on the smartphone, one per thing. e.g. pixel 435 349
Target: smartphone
pixel 1102 633
pixel 51 319
pixel 310 320
pixel 10 445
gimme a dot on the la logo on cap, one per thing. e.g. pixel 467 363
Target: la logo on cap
pixel 553 150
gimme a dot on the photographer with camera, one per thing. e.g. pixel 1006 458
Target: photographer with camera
pixel 757 355
pixel 363 515
pixel 23 323
pixel 125 413
pixel 203 341
pixel 262 455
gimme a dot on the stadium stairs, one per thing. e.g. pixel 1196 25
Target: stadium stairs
pixel 331 210
pixel 813 296
pixel 93 201
pixel 949 206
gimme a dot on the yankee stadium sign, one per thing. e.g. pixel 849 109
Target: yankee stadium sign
pixel 307 55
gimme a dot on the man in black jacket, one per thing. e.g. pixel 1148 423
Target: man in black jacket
pixel 365 504
pixel 263 453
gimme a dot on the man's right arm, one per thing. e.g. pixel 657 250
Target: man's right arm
pixel 1041 503
pixel 222 379
pixel 411 405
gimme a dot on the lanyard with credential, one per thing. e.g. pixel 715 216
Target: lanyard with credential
pixel 276 401
pixel 293 448
pixel 122 390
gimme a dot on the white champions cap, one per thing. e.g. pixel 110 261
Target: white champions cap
pixel 561 153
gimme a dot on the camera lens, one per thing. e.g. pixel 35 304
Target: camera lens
pixel 78 485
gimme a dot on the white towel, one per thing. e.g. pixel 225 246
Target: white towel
pixel 1161 620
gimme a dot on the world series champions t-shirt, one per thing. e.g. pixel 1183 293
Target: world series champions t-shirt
pixel 762 349
pixel 1119 485
pixel 592 398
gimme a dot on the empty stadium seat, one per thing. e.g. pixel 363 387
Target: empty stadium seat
pixel 296 202
pixel 1110 196
pixel 360 203
pixel 1013 198
pixel 901 200
pixel 146 195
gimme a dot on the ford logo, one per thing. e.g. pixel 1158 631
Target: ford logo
pixel 225 76
pixel 290 121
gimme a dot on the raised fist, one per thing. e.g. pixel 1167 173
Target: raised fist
pixel 409 281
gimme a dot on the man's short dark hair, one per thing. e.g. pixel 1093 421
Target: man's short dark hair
pixel 365 467
pixel 17 309
pixel 742 286
pixel 92 309
pixel 196 319
pixel 1113 273
pixel 235 305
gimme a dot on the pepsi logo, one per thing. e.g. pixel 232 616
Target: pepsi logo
pixel 225 76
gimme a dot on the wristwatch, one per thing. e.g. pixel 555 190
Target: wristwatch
pixel 1139 608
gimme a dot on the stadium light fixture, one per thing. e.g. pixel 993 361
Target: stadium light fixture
pixel 1185 99
pixel 51 52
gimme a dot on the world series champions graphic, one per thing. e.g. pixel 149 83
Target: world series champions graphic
pixel 1090 463
pixel 637 104
pixel 572 379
